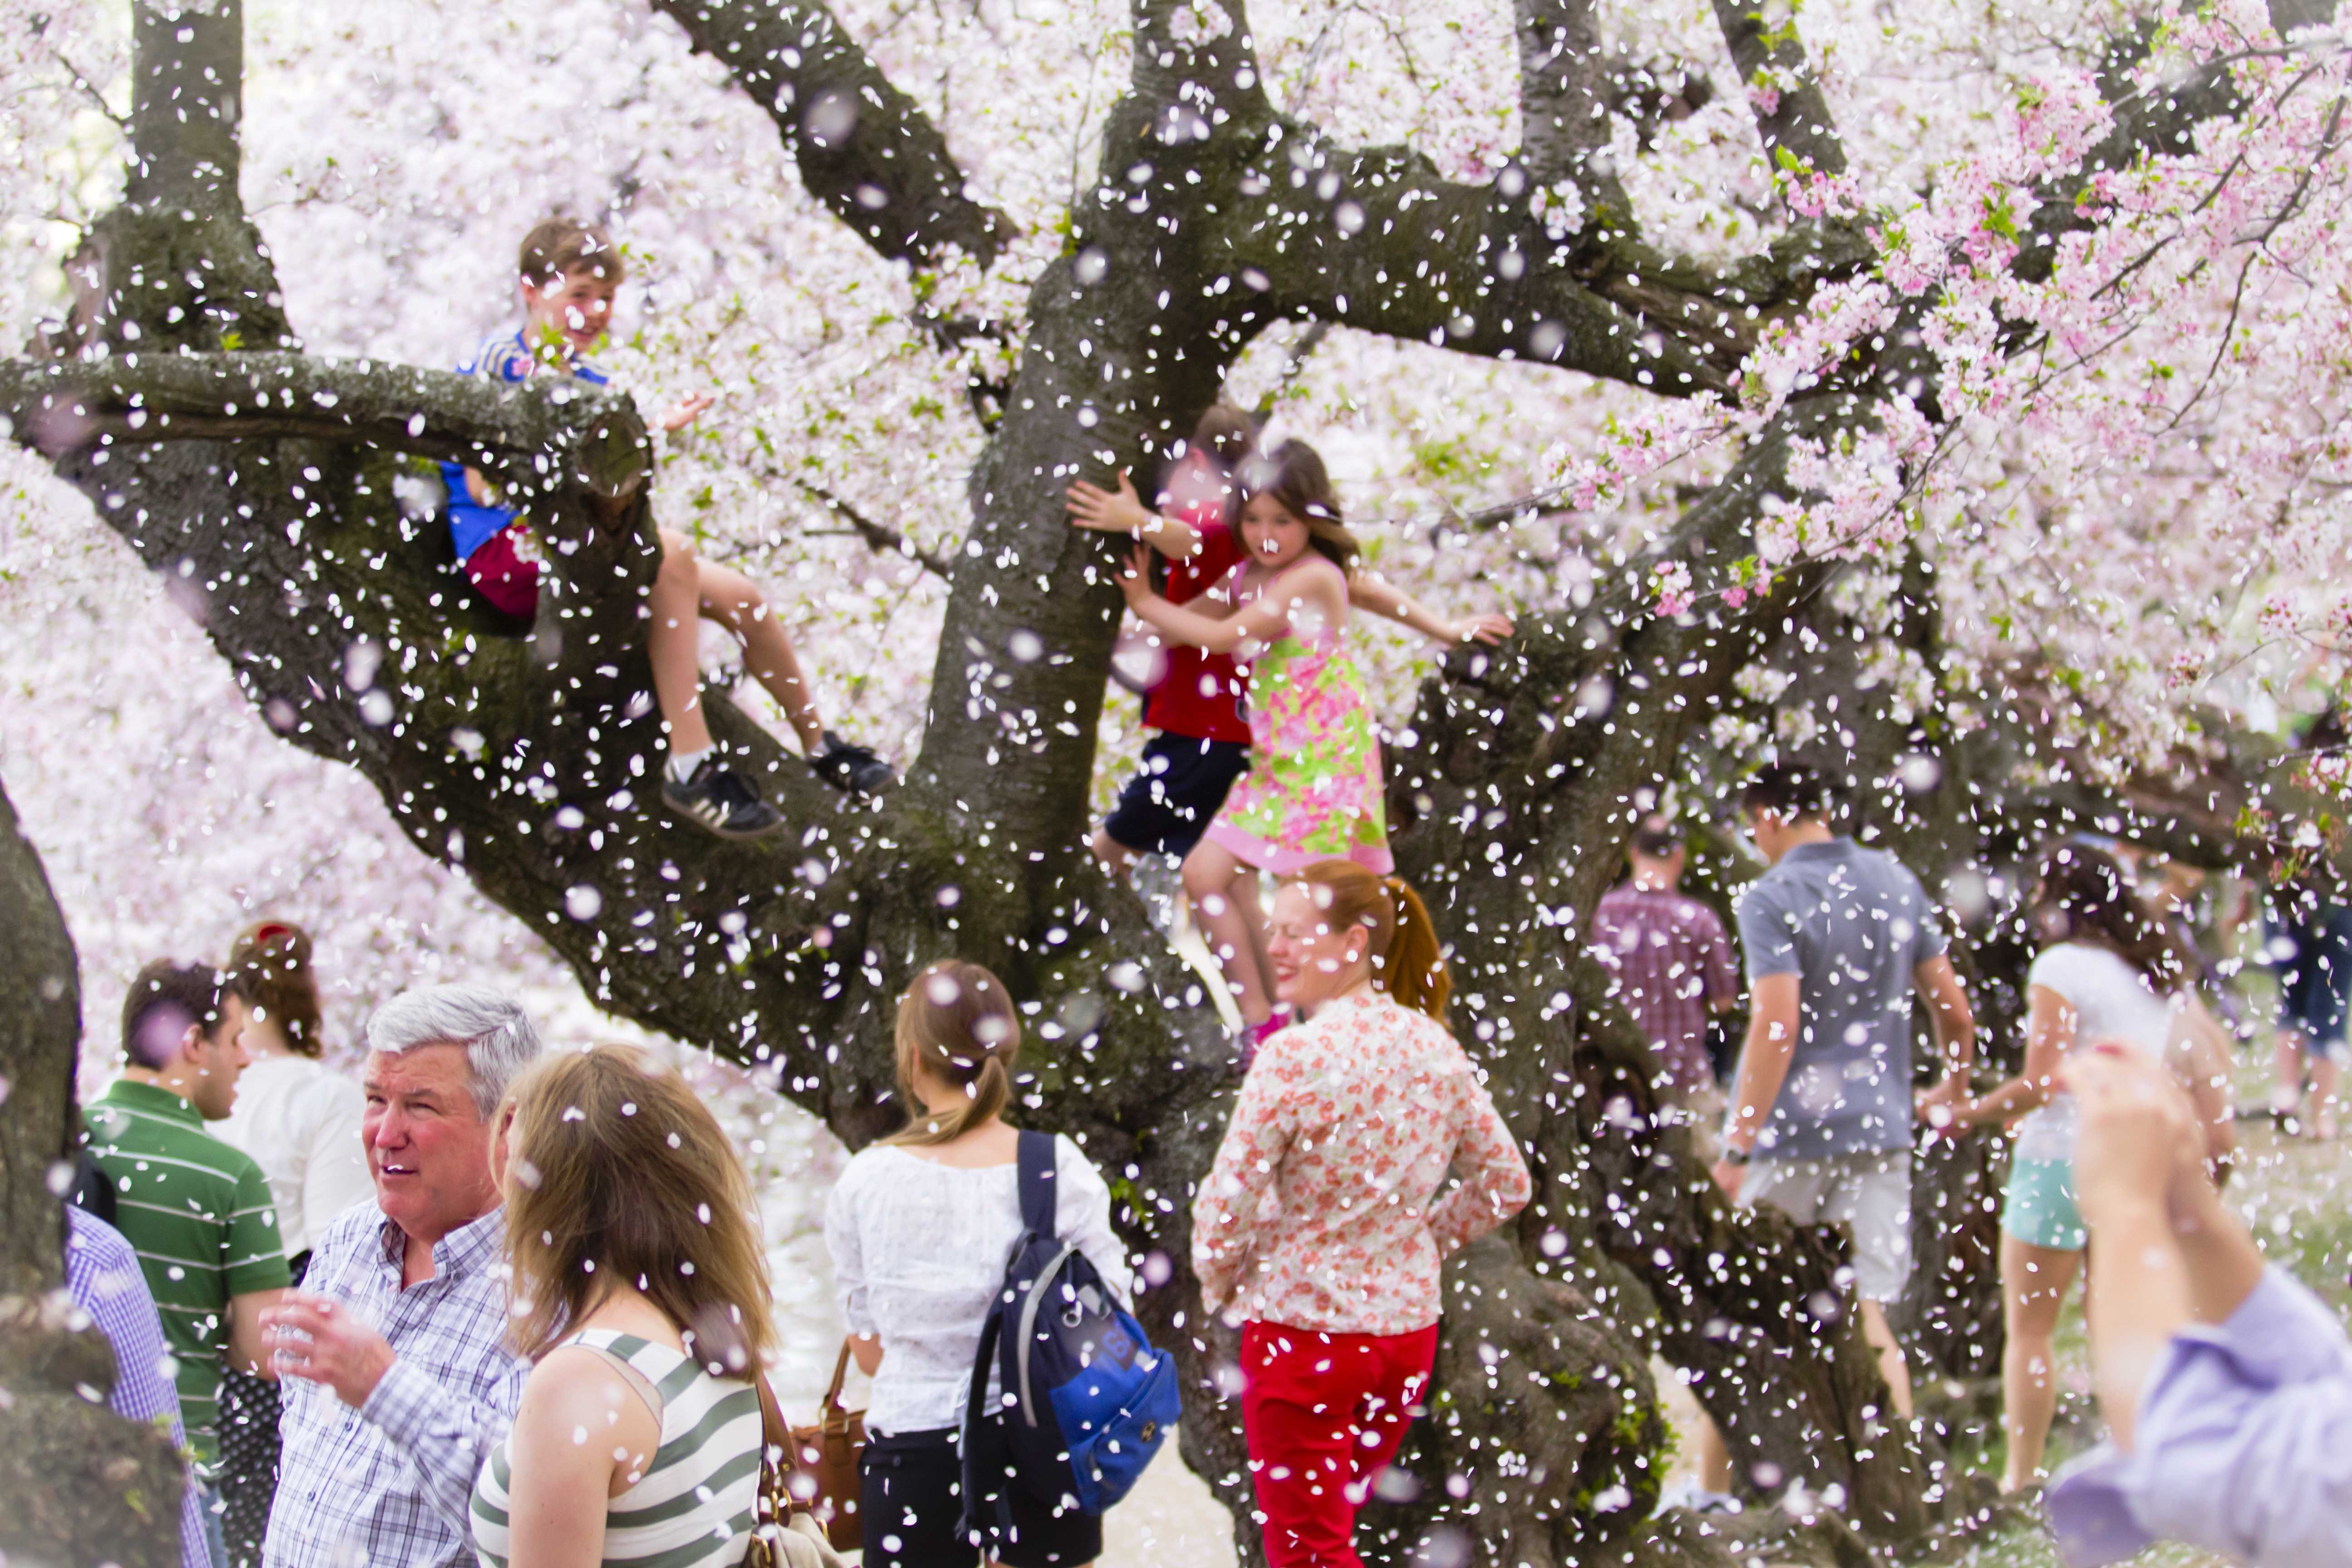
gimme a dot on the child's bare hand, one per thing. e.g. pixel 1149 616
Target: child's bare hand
pixel 684 413
pixel 1489 630
pixel 1108 511
pixel 1135 579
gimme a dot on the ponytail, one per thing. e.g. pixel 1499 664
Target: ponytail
pixel 269 971
pixel 1408 964
pixel 1413 971
pixel 957 1022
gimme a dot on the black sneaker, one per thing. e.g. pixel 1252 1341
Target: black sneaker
pixel 853 767
pixel 720 799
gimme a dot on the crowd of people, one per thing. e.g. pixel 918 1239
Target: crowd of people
pixel 533 1334
pixel 500 1303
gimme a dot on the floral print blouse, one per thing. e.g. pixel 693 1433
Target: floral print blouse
pixel 1317 1214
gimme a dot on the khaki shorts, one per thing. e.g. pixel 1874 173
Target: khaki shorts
pixel 1868 1190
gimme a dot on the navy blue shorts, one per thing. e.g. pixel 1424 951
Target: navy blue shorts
pixel 1165 808
pixel 910 1499
pixel 2315 976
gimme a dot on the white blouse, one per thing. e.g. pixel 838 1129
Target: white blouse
pixel 300 1123
pixel 918 1254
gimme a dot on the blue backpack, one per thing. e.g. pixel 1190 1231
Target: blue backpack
pixel 1086 1400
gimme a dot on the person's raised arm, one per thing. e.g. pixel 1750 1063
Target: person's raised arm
pixel 2050 1025
pixel 444 1435
pixel 1775 1011
pixel 1122 511
pixel 2169 1254
pixel 1257 624
pixel 1371 593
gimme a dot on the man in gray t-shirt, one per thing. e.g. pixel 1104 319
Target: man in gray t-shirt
pixel 1838 938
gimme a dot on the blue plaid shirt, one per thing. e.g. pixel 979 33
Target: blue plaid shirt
pixel 103 1278
pixel 388 1485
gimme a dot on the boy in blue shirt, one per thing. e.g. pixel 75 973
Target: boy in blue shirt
pixel 569 272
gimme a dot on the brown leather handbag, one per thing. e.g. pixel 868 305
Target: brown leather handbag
pixel 824 1457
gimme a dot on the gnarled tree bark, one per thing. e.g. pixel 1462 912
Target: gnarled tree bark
pixel 78 1483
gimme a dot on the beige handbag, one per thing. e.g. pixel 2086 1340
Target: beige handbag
pixel 780 1538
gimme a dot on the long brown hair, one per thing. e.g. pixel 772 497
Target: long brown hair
pixel 1294 478
pixel 617 1171
pixel 1408 965
pixel 958 1022
pixel 2085 896
pixel 269 972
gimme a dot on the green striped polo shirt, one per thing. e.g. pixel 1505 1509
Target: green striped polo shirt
pixel 198 1213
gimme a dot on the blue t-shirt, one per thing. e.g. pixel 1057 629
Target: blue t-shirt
pixel 1851 924
pixel 502 356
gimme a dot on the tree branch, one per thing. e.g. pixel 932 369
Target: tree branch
pixel 534 436
pixel 880 535
pixel 864 149
pixel 1564 102
pixel 1374 238
pixel 1791 115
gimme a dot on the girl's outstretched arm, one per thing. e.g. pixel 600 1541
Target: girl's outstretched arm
pixel 1122 511
pixel 1390 603
pixel 1256 625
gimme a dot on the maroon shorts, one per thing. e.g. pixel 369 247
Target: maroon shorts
pixel 502 576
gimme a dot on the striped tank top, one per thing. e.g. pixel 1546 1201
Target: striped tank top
pixel 692 1507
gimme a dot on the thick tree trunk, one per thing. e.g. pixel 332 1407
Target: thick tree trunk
pixel 78 1483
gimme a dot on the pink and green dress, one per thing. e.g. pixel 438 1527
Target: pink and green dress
pixel 1313 789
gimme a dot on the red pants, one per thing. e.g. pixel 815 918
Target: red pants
pixel 1322 1413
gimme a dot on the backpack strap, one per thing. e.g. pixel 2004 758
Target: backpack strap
pixel 1037 1196
pixel 972 1524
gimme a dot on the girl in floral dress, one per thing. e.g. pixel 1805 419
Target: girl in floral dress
pixel 1313 791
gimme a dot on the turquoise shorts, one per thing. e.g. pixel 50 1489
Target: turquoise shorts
pixel 2040 1206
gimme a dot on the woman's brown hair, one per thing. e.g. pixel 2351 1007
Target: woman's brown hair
pixel 2086 896
pixel 617 1171
pixel 269 972
pixel 1408 966
pixel 958 1022
pixel 1293 476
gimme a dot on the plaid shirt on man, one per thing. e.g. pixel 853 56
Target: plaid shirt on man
pixel 1672 964
pixel 389 1485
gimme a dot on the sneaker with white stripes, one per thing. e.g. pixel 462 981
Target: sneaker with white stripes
pixel 721 800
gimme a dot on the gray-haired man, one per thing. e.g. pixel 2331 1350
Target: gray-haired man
pixel 396 1375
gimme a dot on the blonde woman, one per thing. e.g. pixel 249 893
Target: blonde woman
pixel 920 1227
pixel 641 1297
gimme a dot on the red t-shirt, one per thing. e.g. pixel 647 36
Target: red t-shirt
pixel 1200 695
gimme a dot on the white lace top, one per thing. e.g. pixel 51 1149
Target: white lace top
pixel 919 1252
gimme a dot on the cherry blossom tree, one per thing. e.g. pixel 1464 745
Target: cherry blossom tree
pixel 1976 442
